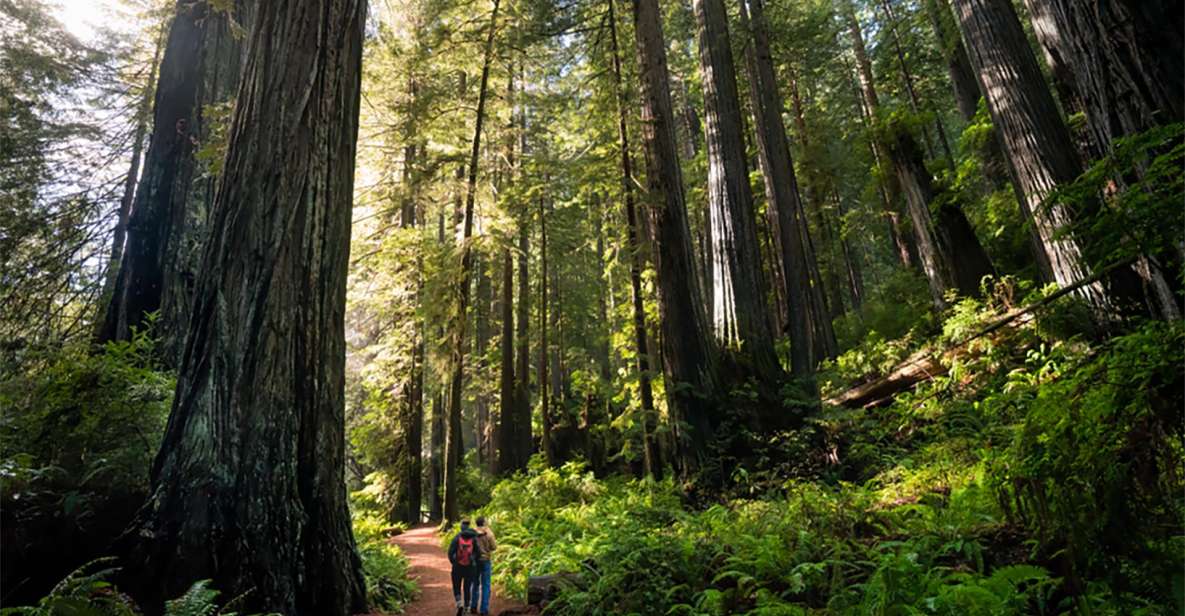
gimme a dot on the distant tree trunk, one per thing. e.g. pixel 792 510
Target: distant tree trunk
pixel 907 76
pixel 507 459
pixel 738 298
pixel 248 486
pixel 546 389
pixel 781 189
pixel 651 461
pixel 481 308
pixel 119 235
pixel 871 106
pixel 525 443
pixel 1035 138
pixel 824 333
pixel 688 360
pixel 436 465
pixel 453 460
pixel 965 86
pixel 411 403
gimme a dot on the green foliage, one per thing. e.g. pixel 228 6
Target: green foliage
pixel 80 428
pixel 86 592
pixel 384 566
pixel 1037 477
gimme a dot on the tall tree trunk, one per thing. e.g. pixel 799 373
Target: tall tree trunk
pixel 119 236
pixel 688 360
pixel 907 76
pixel 1035 139
pixel 436 462
pixel 824 332
pixel 546 389
pixel 965 86
pixel 870 104
pixel 157 268
pixel 453 460
pixel 651 462
pixel 738 298
pixel 781 189
pixel 411 403
pixel 248 487
pixel 507 432
pixel 481 308
pixel 525 443
pixel 951 255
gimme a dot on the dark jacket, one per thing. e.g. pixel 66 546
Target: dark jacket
pixel 467 533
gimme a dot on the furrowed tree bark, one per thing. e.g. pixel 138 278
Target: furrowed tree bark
pixel 781 189
pixel 453 447
pixel 248 487
pixel 688 360
pixel 738 298
pixel 157 267
pixel 651 462
pixel 1035 139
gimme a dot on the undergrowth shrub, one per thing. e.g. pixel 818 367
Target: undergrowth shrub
pixel 78 433
pixel 388 585
pixel 1040 475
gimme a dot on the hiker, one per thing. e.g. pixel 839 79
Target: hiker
pixel 463 553
pixel 487 545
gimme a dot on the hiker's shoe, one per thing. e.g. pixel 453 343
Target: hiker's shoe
pixel 460 611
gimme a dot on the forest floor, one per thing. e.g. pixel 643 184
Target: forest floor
pixel 431 570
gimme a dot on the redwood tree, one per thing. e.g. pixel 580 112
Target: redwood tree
pixel 248 487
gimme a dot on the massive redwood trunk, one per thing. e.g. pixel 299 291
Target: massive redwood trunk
pixel 687 355
pixel 781 190
pixel 738 298
pixel 157 267
pixel 248 487
pixel 1035 138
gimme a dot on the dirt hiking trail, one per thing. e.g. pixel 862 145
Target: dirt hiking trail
pixel 431 570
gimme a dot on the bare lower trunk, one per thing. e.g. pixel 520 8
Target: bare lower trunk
pixel 1035 139
pixel 738 304
pixel 688 360
pixel 781 190
pixel 248 487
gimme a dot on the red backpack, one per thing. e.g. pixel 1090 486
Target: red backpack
pixel 464 552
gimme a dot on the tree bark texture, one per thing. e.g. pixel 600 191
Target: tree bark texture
pixel 688 361
pixel 781 188
pixel 738 298
pixel 158 265
pixel 248 487
pixel 1035 138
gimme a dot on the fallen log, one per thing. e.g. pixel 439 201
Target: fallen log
pixel 543 588
pixel 928 363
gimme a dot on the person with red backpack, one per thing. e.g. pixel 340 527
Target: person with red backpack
pixel 464 553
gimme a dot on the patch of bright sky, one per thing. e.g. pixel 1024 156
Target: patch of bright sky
pixel 85 18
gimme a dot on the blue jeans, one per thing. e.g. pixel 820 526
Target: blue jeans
pixel 484 570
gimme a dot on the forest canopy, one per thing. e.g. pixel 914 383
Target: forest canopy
pixel 711 306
